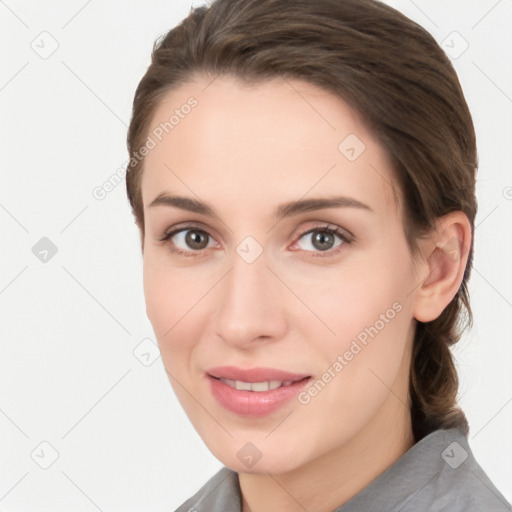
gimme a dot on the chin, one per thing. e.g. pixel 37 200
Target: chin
pixel 247 458
pixel 273 467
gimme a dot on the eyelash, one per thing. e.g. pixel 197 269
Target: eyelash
pixel 321 229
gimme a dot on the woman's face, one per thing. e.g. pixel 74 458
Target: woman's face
pixel 259 292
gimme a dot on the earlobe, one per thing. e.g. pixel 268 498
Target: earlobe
pixel 445 254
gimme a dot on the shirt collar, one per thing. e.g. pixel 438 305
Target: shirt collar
pixel 412 472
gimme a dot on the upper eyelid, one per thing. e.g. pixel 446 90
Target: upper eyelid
pixel 189 226
pixel 345 236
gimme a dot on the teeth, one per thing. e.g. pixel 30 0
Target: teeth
pixel 256 386
pixel 259 386
pixel 243 386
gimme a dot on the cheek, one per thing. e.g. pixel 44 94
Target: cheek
pixel 371 336
pixel 171 303
pixel 361 366
pixel 352 301
pixel 371 316
pixel 170 309
pixel 167 291
pixel 368 310
pixel 159 302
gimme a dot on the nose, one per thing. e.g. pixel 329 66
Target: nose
pixel 250 304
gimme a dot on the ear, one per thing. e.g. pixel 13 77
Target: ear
pixel 445 254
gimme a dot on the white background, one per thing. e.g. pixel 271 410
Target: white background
pixel 68 374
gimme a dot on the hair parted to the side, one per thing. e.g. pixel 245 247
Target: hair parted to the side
pixel 394 74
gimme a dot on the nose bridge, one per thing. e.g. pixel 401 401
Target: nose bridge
pixel 249 305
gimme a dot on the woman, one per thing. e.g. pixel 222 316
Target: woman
pixel 303 178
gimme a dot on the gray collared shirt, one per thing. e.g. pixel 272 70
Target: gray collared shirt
pixel 438 473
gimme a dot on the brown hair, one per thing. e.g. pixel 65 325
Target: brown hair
pixel 395 75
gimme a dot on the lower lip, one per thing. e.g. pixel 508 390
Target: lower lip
pixel 254 403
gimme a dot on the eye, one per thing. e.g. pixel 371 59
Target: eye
pixel 187 241
pixel 324 240
pixel 191 241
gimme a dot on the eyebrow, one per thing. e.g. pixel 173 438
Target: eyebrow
pixel 284 210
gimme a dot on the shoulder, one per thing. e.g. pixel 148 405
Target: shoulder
pixel 219 494
pixel 437 474
pixel 459 483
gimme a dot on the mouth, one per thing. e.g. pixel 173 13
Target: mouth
pixel 254 392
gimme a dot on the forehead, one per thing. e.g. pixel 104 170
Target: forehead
pixel 273 141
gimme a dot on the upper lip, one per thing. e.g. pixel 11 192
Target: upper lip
pixel 259 374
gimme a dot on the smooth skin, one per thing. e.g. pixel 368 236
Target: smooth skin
pixel 244 151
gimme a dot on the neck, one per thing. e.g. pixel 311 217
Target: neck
pixel 332 479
